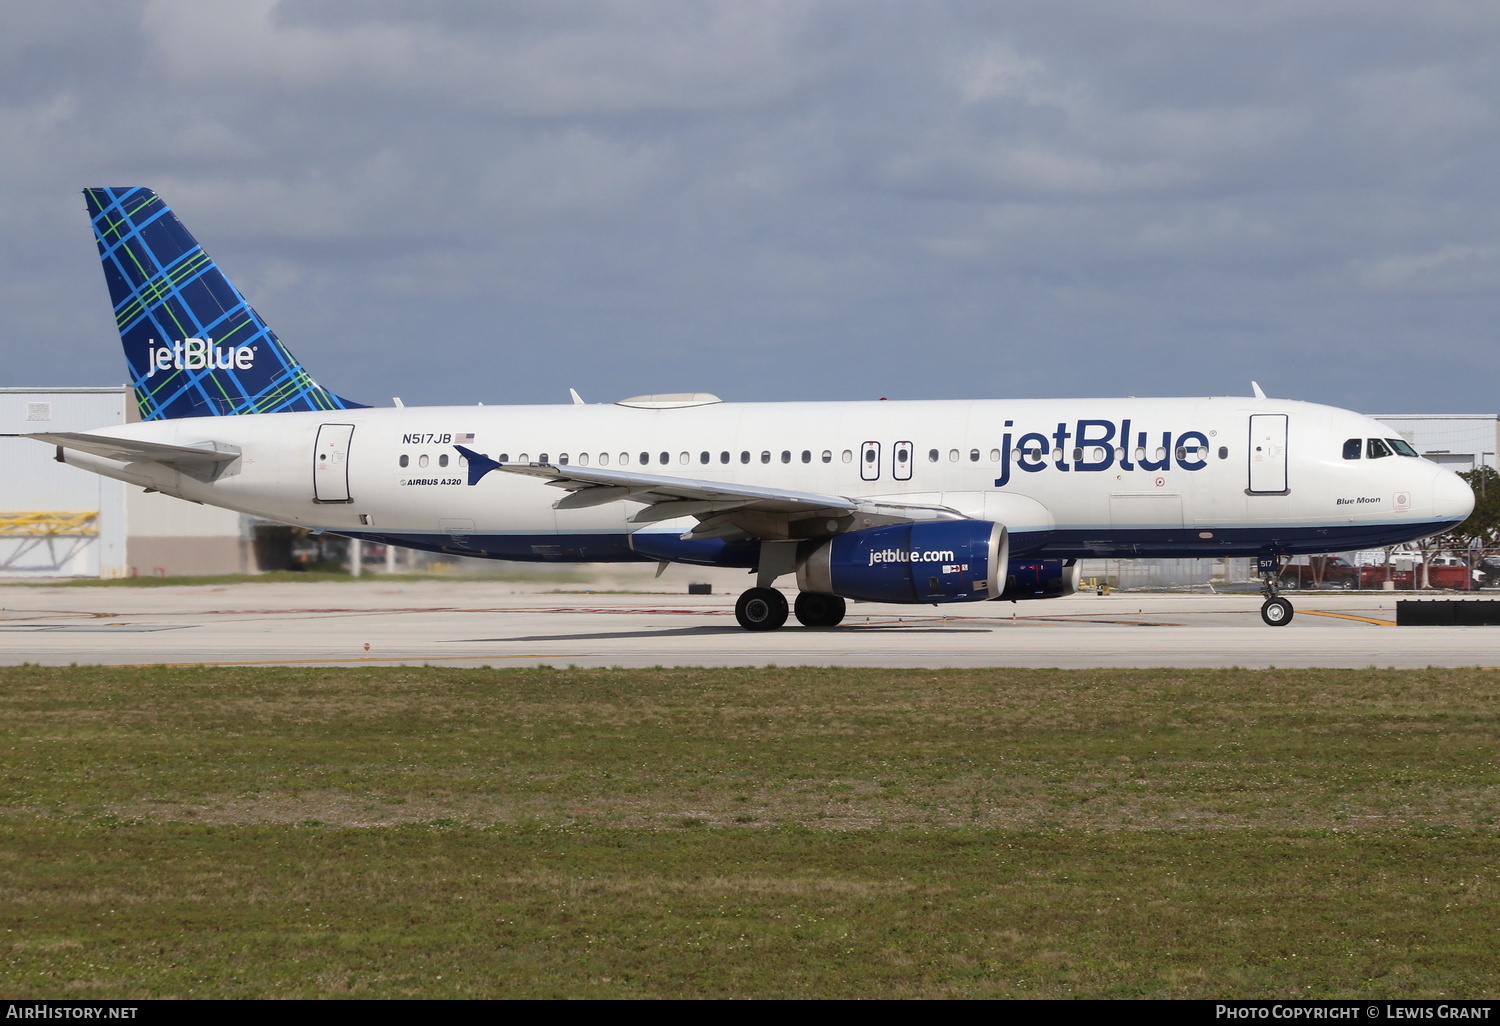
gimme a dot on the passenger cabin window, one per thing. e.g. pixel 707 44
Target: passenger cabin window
pixel 827 456
pixel 703 457
pixel 744 457
pixel 1402 447
pixel 848 456
pixel 666 458
pixel 562 459
pixel 786 456
pixel 1376 449
pixel 443 460
pixel 422 460
pixel 932 455
pixel 405 460
pixel 806 456
pixel 723 457
pixel 973 455
pixel 765 457
pixel 645 459
pixel 1353 447
pixel 1223 452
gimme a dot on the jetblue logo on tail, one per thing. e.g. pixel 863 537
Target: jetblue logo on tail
pixel 172 302
pixel 198 354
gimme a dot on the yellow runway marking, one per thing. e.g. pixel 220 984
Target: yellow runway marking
pixel 1348 616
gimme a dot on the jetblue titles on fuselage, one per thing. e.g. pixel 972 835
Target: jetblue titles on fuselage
pixel 1096 445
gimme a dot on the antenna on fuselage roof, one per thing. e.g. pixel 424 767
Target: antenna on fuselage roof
pixel 1255 387
pixel 577 399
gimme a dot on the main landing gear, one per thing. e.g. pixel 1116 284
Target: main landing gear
pixel 761 609
pixel 1275 610
pixel 816 610
pixel 765 609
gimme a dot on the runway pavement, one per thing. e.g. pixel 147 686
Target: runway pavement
pixel 484 623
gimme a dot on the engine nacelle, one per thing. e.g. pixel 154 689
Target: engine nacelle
pixel 1041 578
pixel 932 561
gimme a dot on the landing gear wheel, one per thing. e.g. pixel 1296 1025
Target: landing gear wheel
pixel 761 609
pixel 815 609
pixel 1277 612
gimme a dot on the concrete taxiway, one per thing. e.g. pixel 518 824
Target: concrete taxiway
pixel 485 623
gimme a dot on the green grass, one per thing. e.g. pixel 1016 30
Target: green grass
pixel 440 832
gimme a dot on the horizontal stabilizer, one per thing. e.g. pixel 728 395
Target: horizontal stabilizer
pixel 131 450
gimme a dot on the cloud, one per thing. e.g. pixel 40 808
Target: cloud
pixel 778 200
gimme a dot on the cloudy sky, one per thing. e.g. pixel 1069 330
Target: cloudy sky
pixel 468 201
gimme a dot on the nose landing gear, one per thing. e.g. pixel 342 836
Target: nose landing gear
pixel 1275 611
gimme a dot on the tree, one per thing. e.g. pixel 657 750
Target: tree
pixel 1482 529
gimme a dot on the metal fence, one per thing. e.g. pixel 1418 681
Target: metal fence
pixel 1363 571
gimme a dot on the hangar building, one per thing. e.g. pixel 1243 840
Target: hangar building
pixel 1459 441
pixel 59 521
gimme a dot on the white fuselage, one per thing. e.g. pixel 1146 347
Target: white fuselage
pixel 1066 477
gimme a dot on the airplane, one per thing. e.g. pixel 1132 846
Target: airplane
pixel 883 501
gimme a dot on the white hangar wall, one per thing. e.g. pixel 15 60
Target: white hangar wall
pixel 1459 441
pixel 56 520
pixel 59 521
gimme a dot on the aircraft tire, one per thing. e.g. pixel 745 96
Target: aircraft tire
pixel 761 609
pixel 1277 612
pixel 814 609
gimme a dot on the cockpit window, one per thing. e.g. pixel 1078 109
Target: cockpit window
pixel 1353 447
pixel 1402 447
pixel 1376 449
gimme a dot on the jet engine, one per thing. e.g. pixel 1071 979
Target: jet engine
pixel 930 561
pixel 1041 579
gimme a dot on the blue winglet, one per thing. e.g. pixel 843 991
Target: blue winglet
pixel 479 463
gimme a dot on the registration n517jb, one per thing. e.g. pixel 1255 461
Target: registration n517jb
pixel 920 502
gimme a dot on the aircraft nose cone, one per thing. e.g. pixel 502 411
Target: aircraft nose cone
pixel 1452 498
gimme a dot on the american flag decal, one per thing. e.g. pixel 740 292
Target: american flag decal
pixel 463 436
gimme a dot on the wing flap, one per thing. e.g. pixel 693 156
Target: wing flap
pixel 655 489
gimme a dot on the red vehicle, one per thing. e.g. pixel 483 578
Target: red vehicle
pixel 1323 572
pixel 1337 573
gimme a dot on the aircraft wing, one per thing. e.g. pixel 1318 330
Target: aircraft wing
pixel 130 450
pixel 722 508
